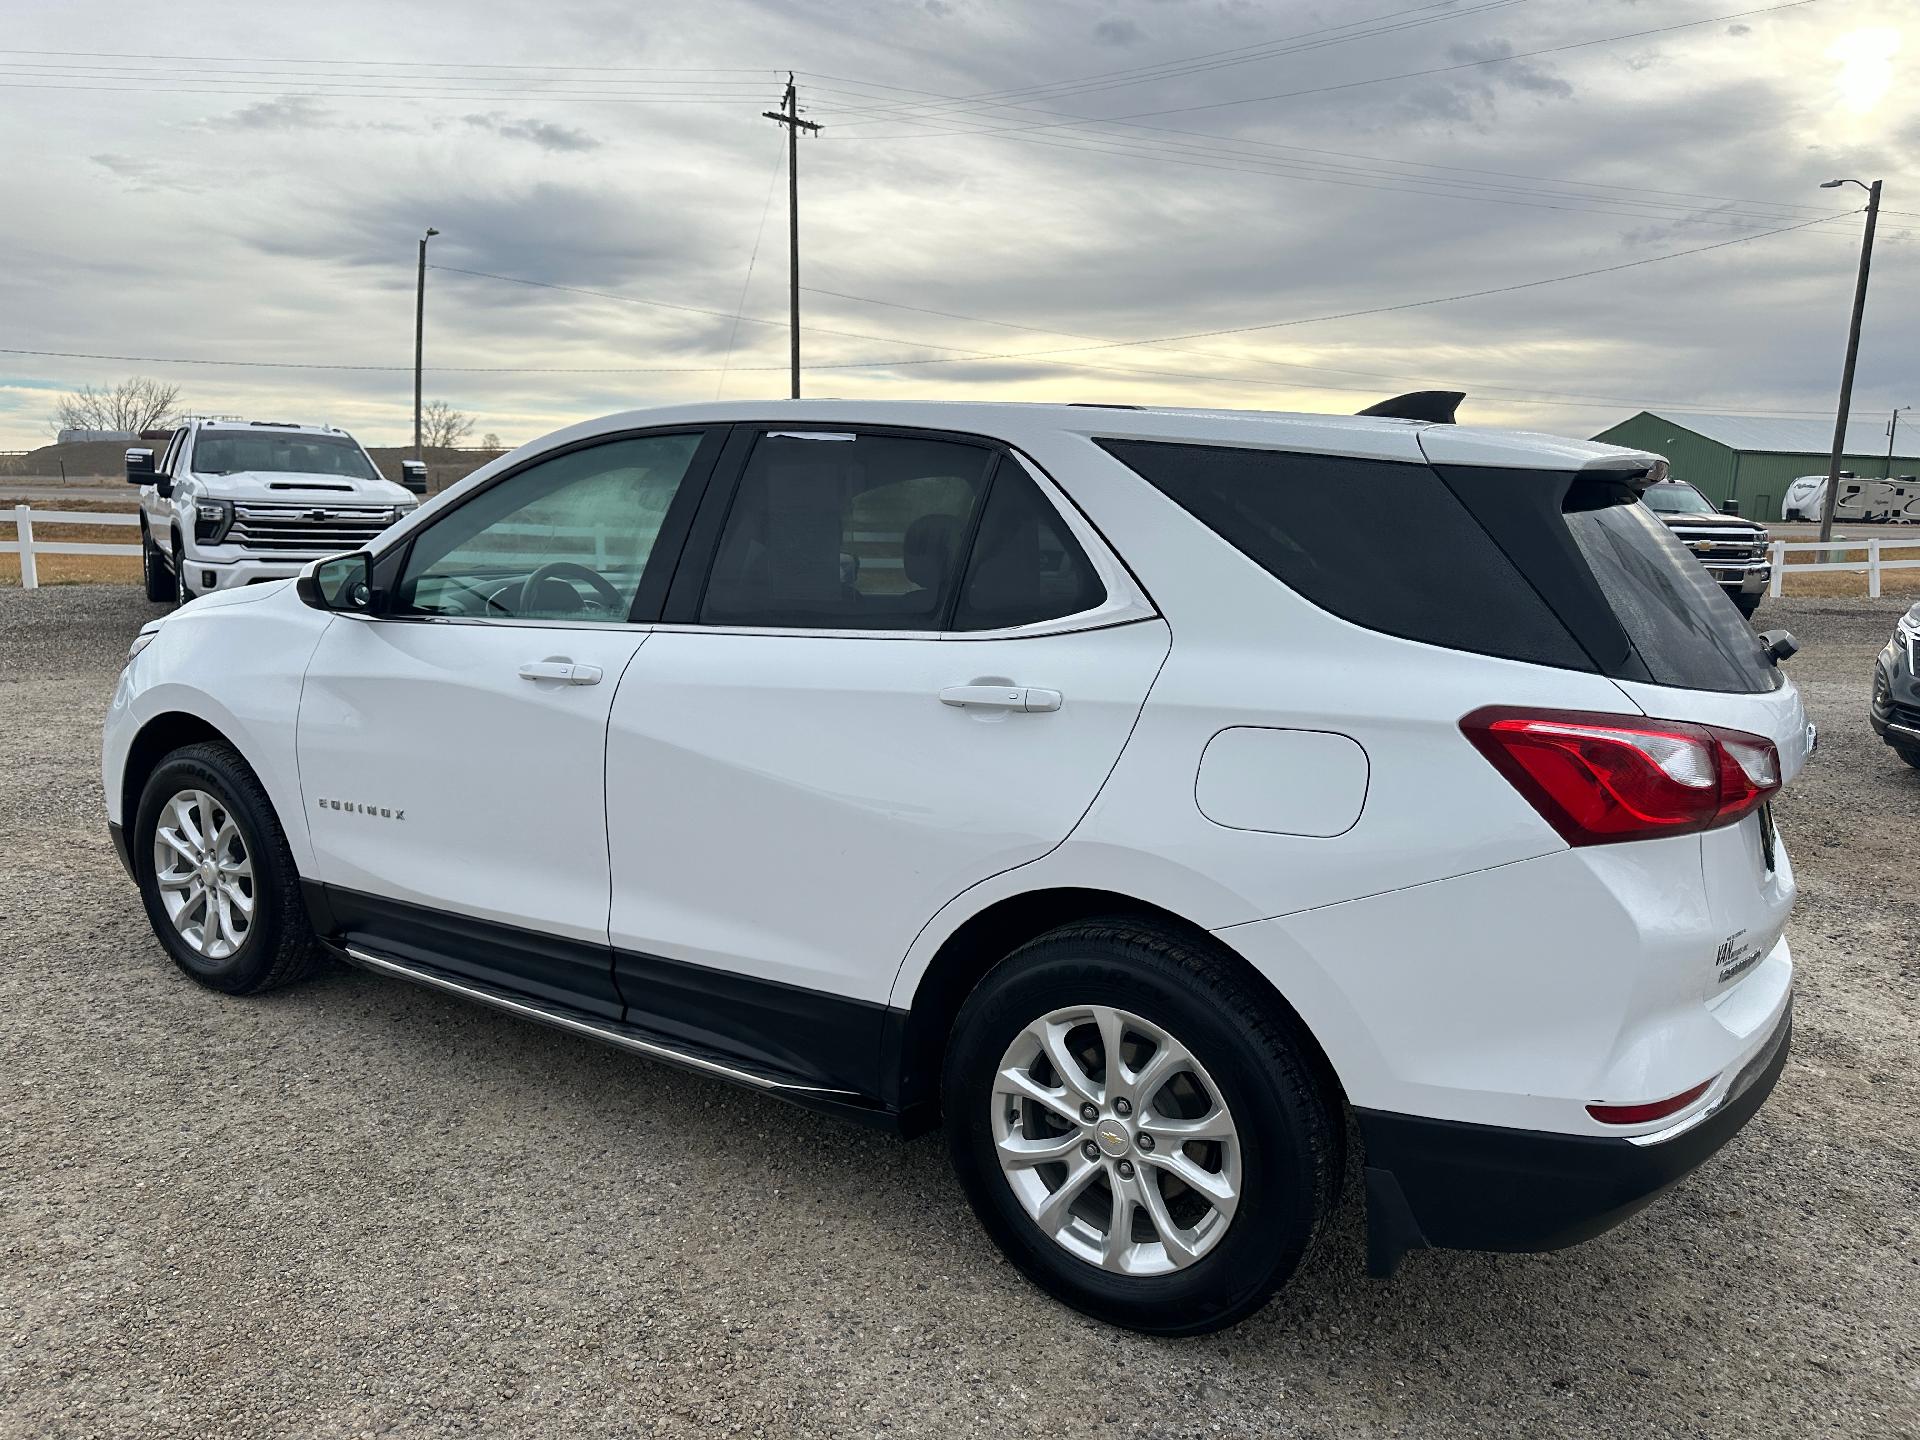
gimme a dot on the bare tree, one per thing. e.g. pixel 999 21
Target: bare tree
pixel 442 426
pixel 491 441
pixel 135 404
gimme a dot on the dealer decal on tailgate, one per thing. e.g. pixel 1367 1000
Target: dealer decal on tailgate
pixel 1736 954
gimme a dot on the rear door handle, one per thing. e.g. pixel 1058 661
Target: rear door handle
pixel 1001 697
pixel 564 671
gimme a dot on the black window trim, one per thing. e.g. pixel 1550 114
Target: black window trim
pixel 1126 603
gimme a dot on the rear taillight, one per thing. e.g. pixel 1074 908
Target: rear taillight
pixel 1601 778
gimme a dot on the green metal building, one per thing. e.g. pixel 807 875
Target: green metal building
pixel 1751 459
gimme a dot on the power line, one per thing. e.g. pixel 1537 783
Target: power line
pixel 760 230
pixel 1319 38
pixel 1383 79
pixel 968 357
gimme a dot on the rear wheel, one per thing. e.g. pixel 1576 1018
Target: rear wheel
pixel 153 569
pixel 1136 1129
pixel 216 876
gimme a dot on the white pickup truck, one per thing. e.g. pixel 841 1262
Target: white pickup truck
pixel 235 502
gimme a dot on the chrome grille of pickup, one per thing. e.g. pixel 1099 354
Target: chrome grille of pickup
pixel 1717 543
pixel 308 529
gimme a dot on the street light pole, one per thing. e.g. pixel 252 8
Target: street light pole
pixel 1853 354
pixel 419 339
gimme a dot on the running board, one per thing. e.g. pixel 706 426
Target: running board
pixel 609 1032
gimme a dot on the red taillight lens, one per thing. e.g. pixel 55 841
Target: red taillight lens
pixel 1652 1110
pixel 1600 778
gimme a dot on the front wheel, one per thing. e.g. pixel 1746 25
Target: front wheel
pixel 217 879
pixel 1137 1129
pixel 181 594
pixel 1909 753
pixel 1747 604
pixel 153 570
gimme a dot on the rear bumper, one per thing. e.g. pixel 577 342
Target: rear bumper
pixel 1452 1185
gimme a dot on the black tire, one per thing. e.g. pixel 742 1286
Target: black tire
pixel 153 569
pixel 1909 753
pixel 1747 604
pixel 181 594
pixel 1290 1141
pixel 278 947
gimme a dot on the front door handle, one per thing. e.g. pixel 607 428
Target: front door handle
pixel 564 671
pixel 1001 697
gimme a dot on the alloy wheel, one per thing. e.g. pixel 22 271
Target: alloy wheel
pixel 203 873
pixel 1116 1141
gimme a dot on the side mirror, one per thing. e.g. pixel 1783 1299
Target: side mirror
pixel 343 582
pixel 413 475
pixel 1729 507
pixel 140 469
pixel 1779 645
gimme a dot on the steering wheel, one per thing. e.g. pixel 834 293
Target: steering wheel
pixel 563 571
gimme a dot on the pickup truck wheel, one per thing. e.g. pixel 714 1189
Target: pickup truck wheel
pixel 1136 1129
pixel 217 879
pixel 181 594
pixel 1909 753
pixel 1747 604
pixel 160 581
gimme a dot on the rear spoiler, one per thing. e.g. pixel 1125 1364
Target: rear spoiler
pixel 1434 406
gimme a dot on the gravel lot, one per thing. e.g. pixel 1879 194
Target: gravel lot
pixel 362 1208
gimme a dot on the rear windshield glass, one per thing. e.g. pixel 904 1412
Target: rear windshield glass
pixel 1383 544
pixel 220 452
pixel 1686 632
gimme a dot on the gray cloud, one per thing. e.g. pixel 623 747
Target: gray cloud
pixel 1117 30
pixel 297 239
pixel 1515 74
pixel 543 133
pixel 283 113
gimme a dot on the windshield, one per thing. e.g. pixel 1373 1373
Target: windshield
pixel 224 452
pixel 1677 498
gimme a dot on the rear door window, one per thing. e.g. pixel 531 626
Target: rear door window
pixel 853 530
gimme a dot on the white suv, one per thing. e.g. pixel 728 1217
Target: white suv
pixel 235 502
pixel 1148 794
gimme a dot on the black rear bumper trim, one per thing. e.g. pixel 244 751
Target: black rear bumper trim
pixel 1451 1185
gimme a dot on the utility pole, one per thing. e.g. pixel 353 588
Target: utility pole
pixel 1853 354
pixel 419 339
pixel 789 115
pixel 1893 428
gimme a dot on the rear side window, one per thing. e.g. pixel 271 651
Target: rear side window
pixel 1685 632
pixel 1382 544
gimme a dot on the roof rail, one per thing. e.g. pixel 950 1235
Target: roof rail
pixel 1437 406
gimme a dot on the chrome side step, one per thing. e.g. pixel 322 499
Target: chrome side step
pixel 609 1032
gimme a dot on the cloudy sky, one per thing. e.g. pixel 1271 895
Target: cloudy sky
pixel 1000 191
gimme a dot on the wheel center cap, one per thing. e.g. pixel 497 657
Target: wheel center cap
pixel 1112 1137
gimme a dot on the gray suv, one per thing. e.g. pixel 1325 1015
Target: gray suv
pixel 1895 712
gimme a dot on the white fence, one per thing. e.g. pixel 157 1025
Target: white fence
pixel 27 548
pixel 1873 565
